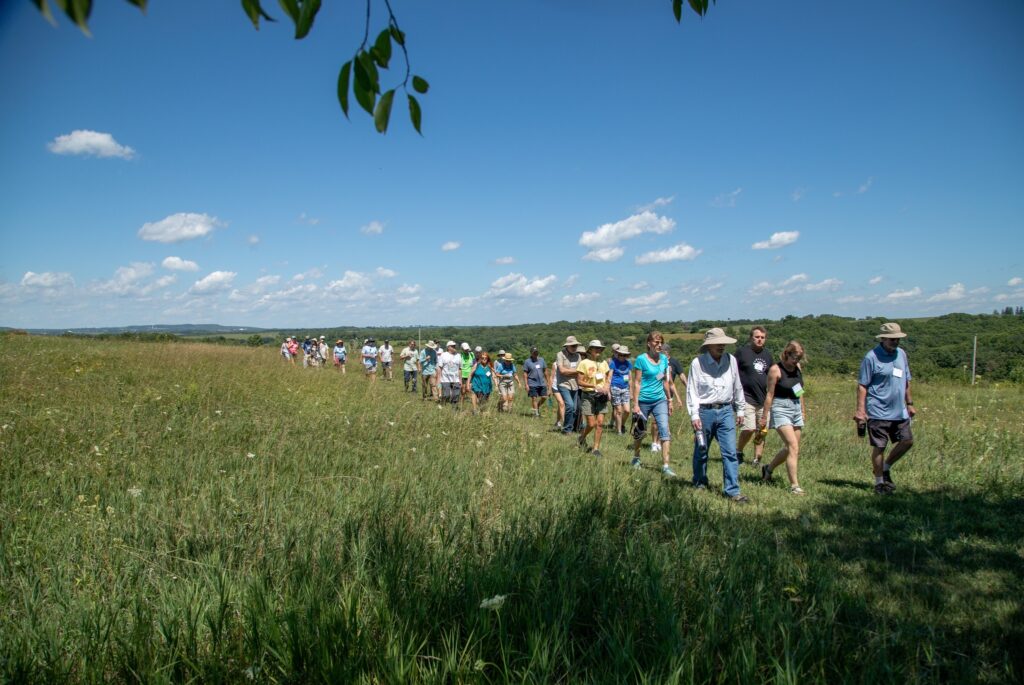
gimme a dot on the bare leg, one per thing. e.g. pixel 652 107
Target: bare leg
pixel 789 453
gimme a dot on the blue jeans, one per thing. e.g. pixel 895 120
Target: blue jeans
pixel 719 424
pixel 660 411
pixel 571 399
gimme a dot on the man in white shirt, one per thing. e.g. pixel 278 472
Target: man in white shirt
pixel 449 368
pixel 386 353
pixel 713 393
pixel 410 365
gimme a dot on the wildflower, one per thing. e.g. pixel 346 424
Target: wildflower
pixel 426 436
pixel 110 510
pixel 494 603
pixel 488 483
pixel 81 499
pixel 413 449
pixel 250 455
pixel 391 423
pixel 479 443
pixel 218 412
pixel 134 491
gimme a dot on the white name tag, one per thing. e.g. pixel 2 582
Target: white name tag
pixel 798 390
pixel 897 372
pixel 488 374
pixel 599 376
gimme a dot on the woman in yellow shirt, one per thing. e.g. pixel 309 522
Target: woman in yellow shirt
pixel 594 378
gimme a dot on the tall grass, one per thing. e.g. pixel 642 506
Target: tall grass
pixel 198 513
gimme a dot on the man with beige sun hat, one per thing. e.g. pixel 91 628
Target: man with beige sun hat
pixel 885 407
pixel 565 368
pixel 714 397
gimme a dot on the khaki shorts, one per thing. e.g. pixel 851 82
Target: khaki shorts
pixel 593 404
pixel 751 417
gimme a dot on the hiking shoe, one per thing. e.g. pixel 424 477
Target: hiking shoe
pixel 887 480
pixel 655 447
pixel 700 487
pixel 667 472
pixel 596 453
pixel 766 475
pixel 797 490
pixel 883 489
pixel 739 499
pixel 636 463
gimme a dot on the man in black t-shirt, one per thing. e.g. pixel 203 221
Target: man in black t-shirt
pixel 753 360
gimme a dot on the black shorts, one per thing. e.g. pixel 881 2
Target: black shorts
pixel 882 432
pixel 538 391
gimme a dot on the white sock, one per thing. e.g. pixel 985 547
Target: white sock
pixel 878 480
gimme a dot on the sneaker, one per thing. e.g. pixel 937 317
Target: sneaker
pixel 756 463
pixel 766 475
pixel 655 447
pixel 700 487
pixel 797 490
pixel 636 463
pixel 887 480
pixel 883 489
pixel 597 453
pixel 740 499
pixel 667 472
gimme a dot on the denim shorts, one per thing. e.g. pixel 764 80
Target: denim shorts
pixel 660 411
pixel 787 412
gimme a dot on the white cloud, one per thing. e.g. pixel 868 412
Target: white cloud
pixel 126 280
pixel 726 199
pixel 47 280
pixel 308 220
pixel 571 281
pixel 604 254
pixel 215 282
pixel 641 285
pixel 793 280
pixel 373 228
pixel 451 245
pixel 518 285
pixel 406 289
pixel 798 194
pixel 897 295
pixel 352 280
pixel 658 202
pixel 385 273
pixel 850 299
pixel 505 260
pixel 309 274
pixel 680 252
pixel 85 142
pixel 608 235
pixel 179 264
pixel 831 284
pixel 955 292
pixel 253 240
pixel 866 185
pixel 578 299
pixel 178 227
pixel 645 300
pixel 1015 281
pixel 980 291
pixel 794 284
pixel 780 239
pixel 875 281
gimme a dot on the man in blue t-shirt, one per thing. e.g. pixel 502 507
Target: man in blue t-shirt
pixel 536 379
pixel 884 404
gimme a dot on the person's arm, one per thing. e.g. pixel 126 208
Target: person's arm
pixel 739 400
pixel 566 371
pixel 692 399
pixel 607 387
pixel 861 415
pixel 910 402
pixel 634 388
pixel 667 385
pixel 774 374
pixel 584 384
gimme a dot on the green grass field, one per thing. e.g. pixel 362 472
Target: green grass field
pixel 188 512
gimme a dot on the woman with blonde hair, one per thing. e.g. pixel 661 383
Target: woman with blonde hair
pixel 650 388
pixel 784 403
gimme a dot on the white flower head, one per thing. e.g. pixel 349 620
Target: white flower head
pixel 493 603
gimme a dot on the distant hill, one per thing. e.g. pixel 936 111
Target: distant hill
pixel 183 329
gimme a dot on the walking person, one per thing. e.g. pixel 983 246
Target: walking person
pixel 467 360
pixel 505 370
pixel 410 365
pixel 369 357
pixel 293 349
pixel 650 387
pixel 481 381
pixel 595 390
pixel 560 414
pixel 285 354
pixel 322 352
pixel 536 379
pixel 340 355
pixel 387 353
pixel 428 370
pixel 565 363
pixel 675 398
pixel 620 366
pixel 753 360
pixel 713 392
pixel 784 406
pixel 449 366
pixel 885 407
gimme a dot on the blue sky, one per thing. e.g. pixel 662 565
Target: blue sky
pixel 579 160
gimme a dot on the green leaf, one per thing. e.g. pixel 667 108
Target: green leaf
pixel 44 9
pixel 343 79
pixel 415 114
pixel 699 6
pixel 78 11
pixel 398 35
pixel 371 70
pixel 141 4
pixel 306 16
pixel 382 48
pixel 291 8
pixel 362 87
pixel 420 85
pixel 255 11
pixel 383 111
pixel 677 9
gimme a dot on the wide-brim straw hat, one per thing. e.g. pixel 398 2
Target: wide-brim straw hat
pixel 891 330
pixel 508 357
pixel 595 343
pixel 716 336
pixel 571 341
pixel 431 344
pixel 623 349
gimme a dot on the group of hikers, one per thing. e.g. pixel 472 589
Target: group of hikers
pixel 733 399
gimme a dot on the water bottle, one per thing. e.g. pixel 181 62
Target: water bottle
pixel 700 439
pixel 862 429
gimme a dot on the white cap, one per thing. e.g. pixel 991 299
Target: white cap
pixel 478 349
pixel 465 346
